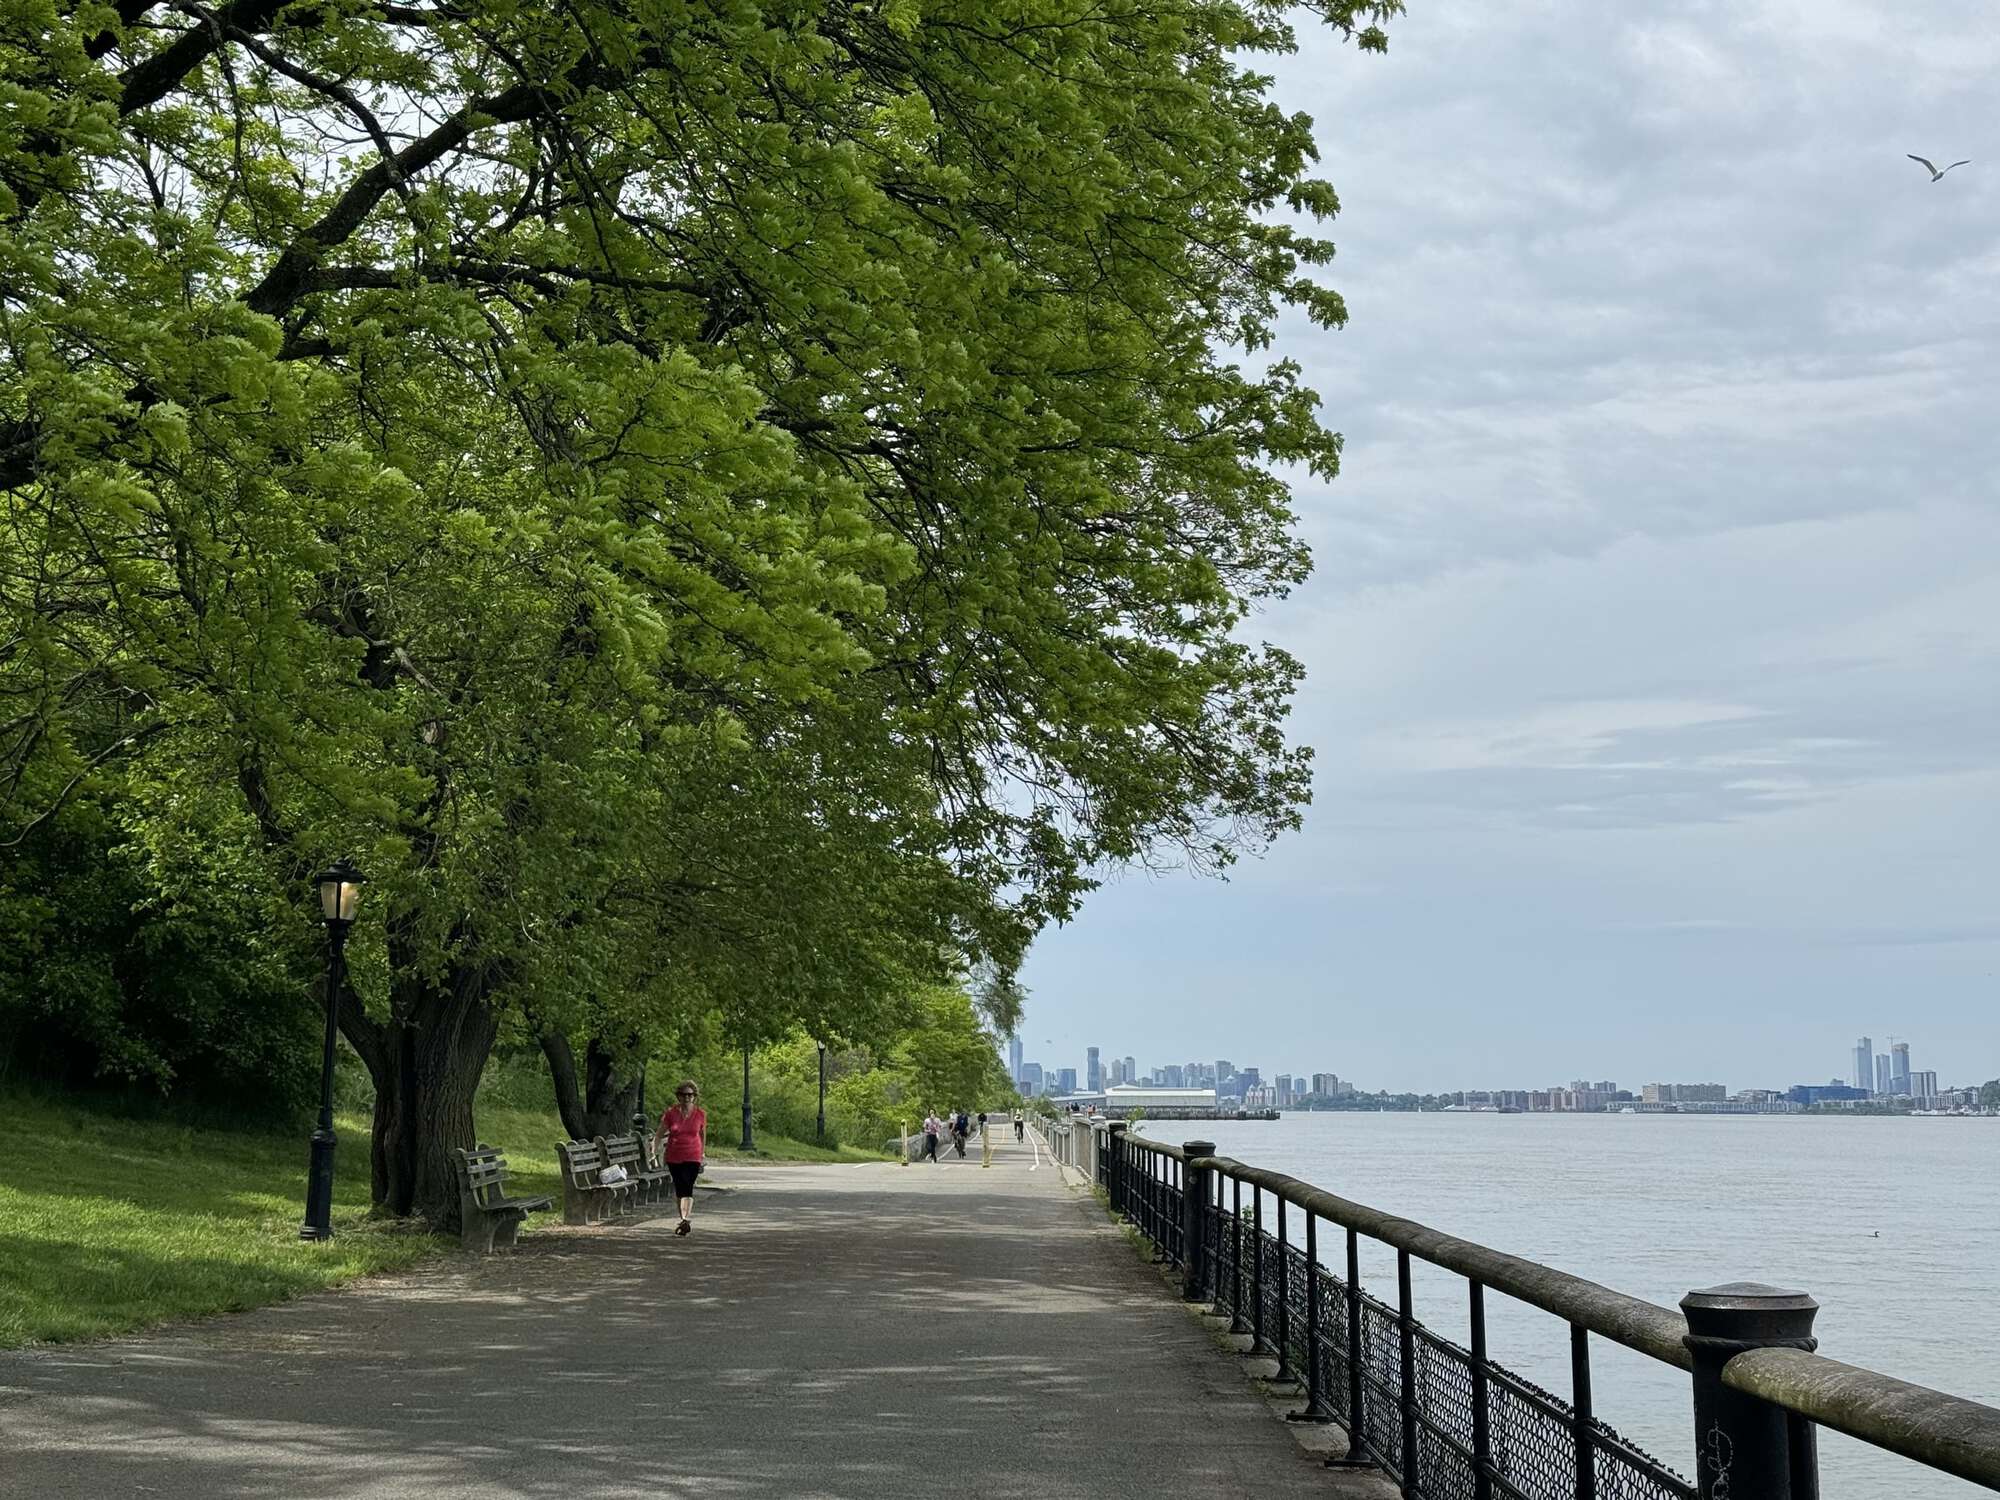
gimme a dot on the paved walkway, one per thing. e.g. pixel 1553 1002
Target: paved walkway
pixel 944 1333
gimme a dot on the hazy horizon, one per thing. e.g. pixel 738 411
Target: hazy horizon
pixel 1651 643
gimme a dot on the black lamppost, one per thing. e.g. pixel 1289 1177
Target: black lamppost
pixel 746 1098
pixel 339 897
pixel 822 1094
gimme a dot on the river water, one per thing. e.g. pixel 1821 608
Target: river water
pixel 1893 1224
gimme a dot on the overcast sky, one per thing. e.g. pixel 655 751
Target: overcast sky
pixel 1653 637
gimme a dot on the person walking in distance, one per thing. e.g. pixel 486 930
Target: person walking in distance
pixel 933 1128
pixel 961 1127
pixel 684 1130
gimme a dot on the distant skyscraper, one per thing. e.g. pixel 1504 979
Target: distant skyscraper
pixel 1326 1085
pixel 1864 1063
pixel 1224 1071
pixel 1899 1067
pixel 1174 1074
pixel 1014 1059
pixel 1284 1091
pixel 1093 1072
pixel 1924 1085
pixel 1066 1080
pixel 1131 1069
pixel 1881 1072
pixel 1031 1078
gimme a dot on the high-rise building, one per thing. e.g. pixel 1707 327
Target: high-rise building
pixel 1224 1071
pixel 1014 1059
pixel 1881 1072
pixel 1093 1072
pixel 1326 1085
pixel 1066 1080
pixel 1030 1081
pixel 1899 1067
pixel 1284 1091
pixel 1131 1069
pixel 1924 1085
pixel 1864 1063
pixel 1172 1076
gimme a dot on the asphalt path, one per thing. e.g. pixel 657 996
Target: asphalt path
pixel 942 1332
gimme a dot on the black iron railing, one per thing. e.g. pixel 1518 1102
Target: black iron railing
pixel 1445 1419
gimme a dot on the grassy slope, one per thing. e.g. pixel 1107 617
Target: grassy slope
pixel 109 1224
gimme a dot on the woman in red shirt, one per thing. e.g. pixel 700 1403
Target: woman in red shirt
pixel 684 1129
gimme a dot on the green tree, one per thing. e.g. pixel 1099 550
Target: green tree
pixel 113 977
pixel 949 1059
pixel 1989 1094
pixel 723 508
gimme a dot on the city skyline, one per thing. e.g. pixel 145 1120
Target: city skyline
pixel 1889 1075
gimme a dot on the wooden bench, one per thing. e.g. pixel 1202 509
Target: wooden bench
pixel 488 1216
pixel 584 1198
pixel 629 1152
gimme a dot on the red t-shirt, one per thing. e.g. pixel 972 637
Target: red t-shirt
pixel 683 1134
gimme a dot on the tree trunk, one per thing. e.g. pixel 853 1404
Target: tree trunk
pixel 425 1062
pixel 562 1073
pixel 608 1097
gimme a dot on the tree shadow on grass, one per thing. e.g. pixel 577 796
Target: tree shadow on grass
pixel 52 1289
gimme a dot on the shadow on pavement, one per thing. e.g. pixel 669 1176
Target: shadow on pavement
pixel 826 1331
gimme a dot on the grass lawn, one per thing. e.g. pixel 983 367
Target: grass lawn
pixel 109 1224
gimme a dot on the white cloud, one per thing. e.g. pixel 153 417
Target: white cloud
pixel 1564 736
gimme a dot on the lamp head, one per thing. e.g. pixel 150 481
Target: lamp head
pixel 339 892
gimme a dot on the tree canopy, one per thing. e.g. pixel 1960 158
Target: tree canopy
pixel 722 507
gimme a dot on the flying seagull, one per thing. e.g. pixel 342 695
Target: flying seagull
pixel 1931 168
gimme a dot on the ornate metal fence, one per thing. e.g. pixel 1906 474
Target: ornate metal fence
pixel 1448 1421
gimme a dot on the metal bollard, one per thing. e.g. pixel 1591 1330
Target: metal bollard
pixel 1194 1199
pixel 1744 1446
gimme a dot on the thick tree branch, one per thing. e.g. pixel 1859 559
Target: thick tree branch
pixel 146 83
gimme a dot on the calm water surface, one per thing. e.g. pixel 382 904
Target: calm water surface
pixel 1659 1205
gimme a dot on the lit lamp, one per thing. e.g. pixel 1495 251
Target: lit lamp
pixel 339 900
